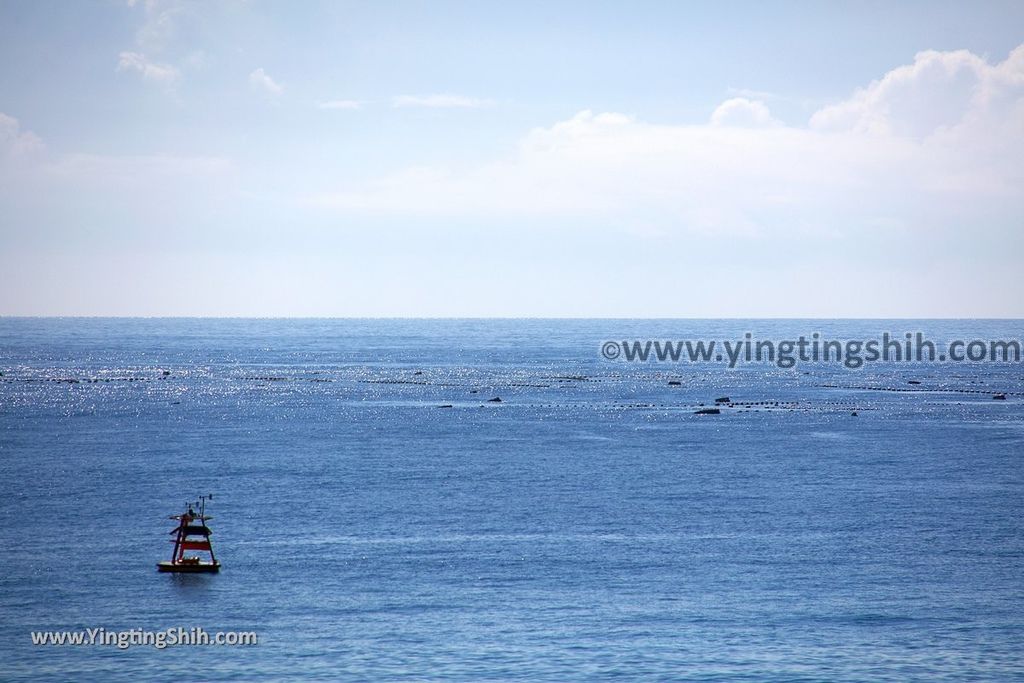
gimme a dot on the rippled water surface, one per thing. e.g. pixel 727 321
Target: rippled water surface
pixel 587 526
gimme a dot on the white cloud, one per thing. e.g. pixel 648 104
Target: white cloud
pixel 939 91
pixel 440 101
pixel 162 23
pixel 261 81
pixel 925 148
pixel 742 112
pixel 13 140
pixel 169 39
pixel 150 71
pixel 341 104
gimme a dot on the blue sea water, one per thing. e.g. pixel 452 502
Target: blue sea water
pixel 589 526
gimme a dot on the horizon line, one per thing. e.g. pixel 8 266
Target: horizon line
pixel 399 317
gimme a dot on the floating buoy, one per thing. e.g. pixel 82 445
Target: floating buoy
pixel 190 535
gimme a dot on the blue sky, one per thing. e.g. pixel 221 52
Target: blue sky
pixel 511 159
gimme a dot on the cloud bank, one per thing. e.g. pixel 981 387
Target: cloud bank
pixel 929 144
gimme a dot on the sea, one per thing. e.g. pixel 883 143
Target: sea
pixel 380 515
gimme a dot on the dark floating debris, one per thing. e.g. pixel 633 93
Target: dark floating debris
pixel 446 405
pixel 675 383
pixel 707 411
pixel 496 399
pixel 999 397
pixel 854 413
pixel 418 372
pixel 923 390
pixel 723 399
pixel 473 391
pixel 913 381
pixel 166 373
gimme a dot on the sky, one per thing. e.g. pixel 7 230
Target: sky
pixel 507 159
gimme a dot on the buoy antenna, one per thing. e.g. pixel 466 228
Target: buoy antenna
pixel 202 503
